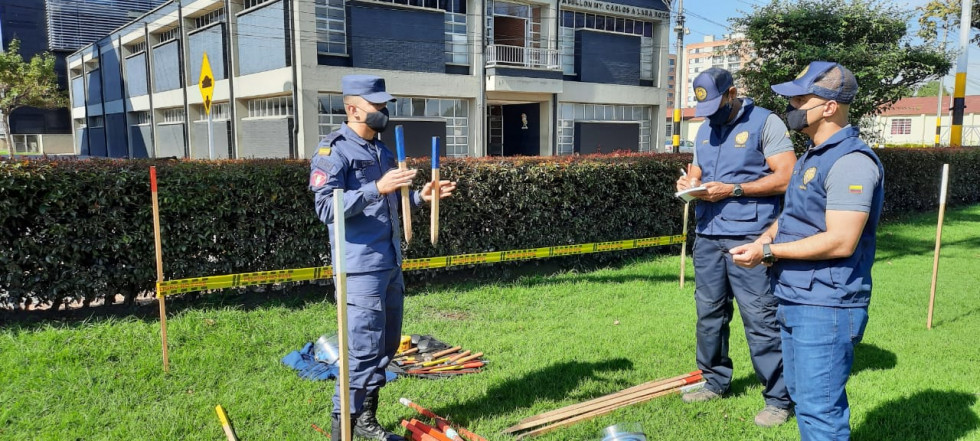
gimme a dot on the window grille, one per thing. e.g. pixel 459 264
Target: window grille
pixel 173 116
pixel 212 17
pixel 270 107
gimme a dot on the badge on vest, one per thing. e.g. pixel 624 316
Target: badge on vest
pixel 808 176
pixel 741 139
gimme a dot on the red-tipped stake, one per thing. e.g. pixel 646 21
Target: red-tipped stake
pixel 469 435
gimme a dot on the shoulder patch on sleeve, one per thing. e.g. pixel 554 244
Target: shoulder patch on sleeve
pixel 324 151
pixel 318 178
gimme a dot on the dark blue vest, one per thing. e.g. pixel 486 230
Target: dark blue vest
pixel 733 154
pixel 835 282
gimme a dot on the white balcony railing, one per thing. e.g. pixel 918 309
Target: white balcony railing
pixel 518 56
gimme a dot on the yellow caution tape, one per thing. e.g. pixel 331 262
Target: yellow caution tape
pixel 170 287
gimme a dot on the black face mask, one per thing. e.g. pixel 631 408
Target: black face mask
pixel 796 118
pixel 720 117
pixel 377 120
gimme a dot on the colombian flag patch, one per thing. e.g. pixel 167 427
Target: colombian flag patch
pixel 856 189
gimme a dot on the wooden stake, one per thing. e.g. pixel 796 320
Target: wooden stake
pixel 592 414
pixel 939 237
pixel 613 401
pixel 159 257
pixel 684 244
pixel 340 273
pixel 225 424
pixel 645 386
pixel 434 222
pixel 403 165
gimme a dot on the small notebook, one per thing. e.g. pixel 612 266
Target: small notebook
pixel 686 196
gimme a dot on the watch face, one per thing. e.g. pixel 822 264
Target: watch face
pixel 738 190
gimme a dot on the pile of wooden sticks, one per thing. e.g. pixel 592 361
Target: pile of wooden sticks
pixel 566 416
pixel 452 361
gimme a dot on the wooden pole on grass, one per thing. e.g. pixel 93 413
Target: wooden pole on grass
pixel 434 226
pixel 340 274
pixel 403 165
pixel 159 256
pixel 225 424
pixel 684 244
pixel 939 237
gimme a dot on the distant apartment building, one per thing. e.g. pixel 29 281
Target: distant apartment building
pixel 60 27
pixel 709 53
pixel 520 77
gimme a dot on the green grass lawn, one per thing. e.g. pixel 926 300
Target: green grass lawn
pixel 551 340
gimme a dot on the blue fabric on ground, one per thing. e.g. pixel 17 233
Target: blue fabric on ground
pixel 310 369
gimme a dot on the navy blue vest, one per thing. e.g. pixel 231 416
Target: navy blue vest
pixel 733 154
pixel 844 282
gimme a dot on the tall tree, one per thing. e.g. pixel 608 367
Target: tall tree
pixel 931 89
pixel 939 15
pixel 26 84
pixel 868 37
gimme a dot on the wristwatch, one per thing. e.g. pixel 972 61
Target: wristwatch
pixel 767 257
pixel 737 191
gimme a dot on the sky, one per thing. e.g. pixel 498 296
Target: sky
pixel 710 17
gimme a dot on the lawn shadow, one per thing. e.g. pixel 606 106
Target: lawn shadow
pixel 866 356
pixel 956 318
pixel 893 245
pixel 928 415
pixel 296 296
pixel 552 383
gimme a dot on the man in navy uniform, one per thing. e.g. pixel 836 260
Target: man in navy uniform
pixel 742 155
pixel 821 249
pixel 352 159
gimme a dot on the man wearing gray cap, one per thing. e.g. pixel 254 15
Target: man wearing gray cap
pixel 353 159
pixel 821 249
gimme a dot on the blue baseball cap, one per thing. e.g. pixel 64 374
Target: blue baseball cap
pixel 369 87
pixel 826 79
pixel 709 87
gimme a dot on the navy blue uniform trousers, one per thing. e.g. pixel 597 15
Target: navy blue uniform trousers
pixel 719 282
pixel 375 305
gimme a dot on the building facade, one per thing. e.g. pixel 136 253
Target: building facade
pixel 911 122
pixel 60 27
pixel 532 77
pixel 712 52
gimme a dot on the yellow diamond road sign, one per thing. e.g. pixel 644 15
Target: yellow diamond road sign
pixel 206 84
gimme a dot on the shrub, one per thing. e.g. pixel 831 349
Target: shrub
pixel 77 230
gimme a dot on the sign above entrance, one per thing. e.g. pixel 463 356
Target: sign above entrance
pixel 615 8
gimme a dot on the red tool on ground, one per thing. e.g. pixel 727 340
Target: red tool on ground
pixel 431 431
pixel 469 435
pixel 417 433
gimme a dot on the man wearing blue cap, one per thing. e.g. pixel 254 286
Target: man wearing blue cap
pixel 821 249
pixel 352 159
pixel 742 155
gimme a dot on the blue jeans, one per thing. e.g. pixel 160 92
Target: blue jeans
pixel 818 352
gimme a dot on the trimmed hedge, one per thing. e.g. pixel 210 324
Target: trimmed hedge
pixel 77 230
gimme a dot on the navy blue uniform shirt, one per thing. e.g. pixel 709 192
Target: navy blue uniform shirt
pixel 347 161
